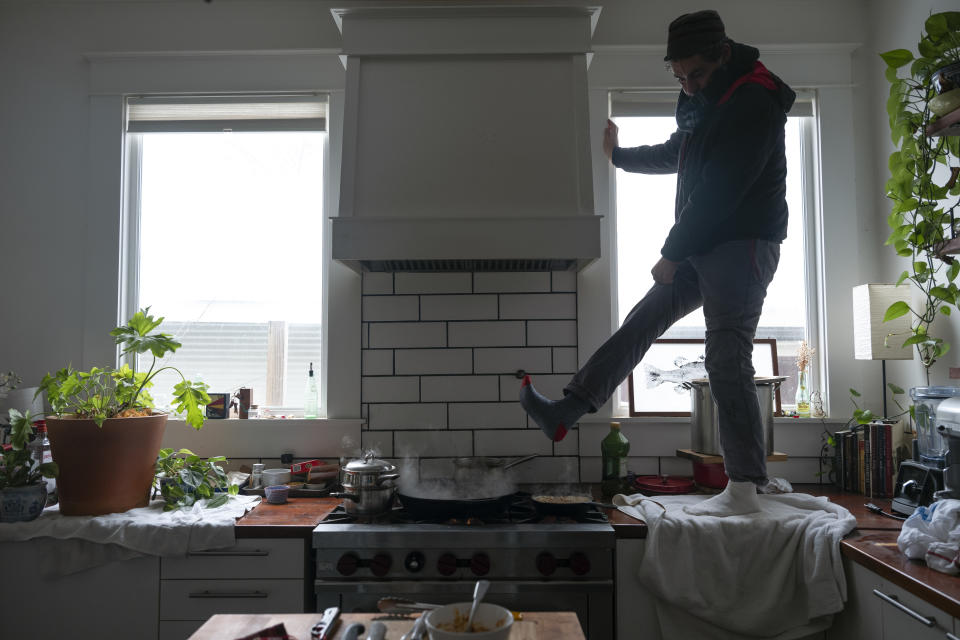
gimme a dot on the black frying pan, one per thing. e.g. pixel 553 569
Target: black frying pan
pixel 550 505
pixel 449 504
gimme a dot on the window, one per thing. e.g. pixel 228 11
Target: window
pixel 645 212
pixel 224 238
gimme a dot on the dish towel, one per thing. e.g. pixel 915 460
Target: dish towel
pixel 76 543
pixel 773 574
pixel 932 534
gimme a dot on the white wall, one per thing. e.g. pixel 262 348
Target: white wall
pixel 59 307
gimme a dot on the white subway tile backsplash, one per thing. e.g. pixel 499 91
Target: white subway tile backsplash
pixel 465 307
pixel 493 333
pixel 408 416
pixel 433 443
pixel 646 438
pixel 569 446
pixel 377 283
pixel 487 415
pixel 511 443
pixel 538 306
pixel 492 282
pixel 434 283
pixel 407 335
pixel 506 360
pixel 390 308
pixel 550 470
pixel 427 469
pixel 364 335
pixel 459 388
pixel 390 389
pixel 380 442
pixel 548 385
pixel 553 333
pixel 377 362
pixel 591 467
pixel 565 360
pixel 434 361
pixel 564 280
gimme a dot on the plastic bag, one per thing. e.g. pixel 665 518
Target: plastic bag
pixel 933 534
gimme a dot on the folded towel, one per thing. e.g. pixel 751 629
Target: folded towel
pixel 94 540
pixel 761 574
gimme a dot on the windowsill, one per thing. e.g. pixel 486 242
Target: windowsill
pixel 686 420
pixel 318 422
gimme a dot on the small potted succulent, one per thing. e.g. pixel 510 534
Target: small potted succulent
pixel 105 432
pixel 23 490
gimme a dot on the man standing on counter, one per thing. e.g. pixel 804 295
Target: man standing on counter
pixel 722 252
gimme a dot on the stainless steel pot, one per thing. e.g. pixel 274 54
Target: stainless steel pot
pixel 704 423
pixel 369 486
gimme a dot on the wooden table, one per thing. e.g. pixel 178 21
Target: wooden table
pixel 537 625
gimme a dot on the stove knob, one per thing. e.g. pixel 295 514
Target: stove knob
pixel 579 563
pixel 380 564
pixel 480 564
pixel 347 564
pixel 447 564
pixel 414 562
pixel 546 563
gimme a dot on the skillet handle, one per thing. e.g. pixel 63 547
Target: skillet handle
pixel 514 463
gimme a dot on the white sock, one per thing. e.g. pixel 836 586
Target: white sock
pixel 737 499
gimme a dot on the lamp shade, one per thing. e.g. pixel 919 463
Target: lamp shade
pixel 870 332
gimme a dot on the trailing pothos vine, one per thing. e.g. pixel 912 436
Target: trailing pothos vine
pixel 923 183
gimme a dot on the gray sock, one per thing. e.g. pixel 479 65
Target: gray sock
pixel 554 417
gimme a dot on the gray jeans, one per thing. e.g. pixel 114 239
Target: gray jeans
pixel 730 283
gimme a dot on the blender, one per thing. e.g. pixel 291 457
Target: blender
pixel 932 448
pixel 948 427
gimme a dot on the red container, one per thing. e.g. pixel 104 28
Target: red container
pixel 710 475
pixel 663 485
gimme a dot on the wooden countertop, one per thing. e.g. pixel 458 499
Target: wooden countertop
pixel 536 625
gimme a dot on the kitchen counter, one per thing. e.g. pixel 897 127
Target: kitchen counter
pixel 540 625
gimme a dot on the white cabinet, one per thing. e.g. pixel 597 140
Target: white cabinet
pixel 257 575
pixel 860 618
pixel 636 607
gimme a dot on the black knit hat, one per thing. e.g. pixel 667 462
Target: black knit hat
pixel 693 33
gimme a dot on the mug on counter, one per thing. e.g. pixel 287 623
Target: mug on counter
pixel 275 476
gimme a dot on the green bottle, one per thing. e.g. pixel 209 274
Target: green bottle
pixel 614 449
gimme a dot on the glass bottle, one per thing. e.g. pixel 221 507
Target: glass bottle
pixel 803 395
pixel 310 402
pixel 42 453
pixel 614 449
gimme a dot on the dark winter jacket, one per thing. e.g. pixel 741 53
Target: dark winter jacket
pixel 731 166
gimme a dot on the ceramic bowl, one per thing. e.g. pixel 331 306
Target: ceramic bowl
pixel 276 476
pixel 497 620
pixel 277 494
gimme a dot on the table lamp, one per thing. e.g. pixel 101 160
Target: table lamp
pixel 874 339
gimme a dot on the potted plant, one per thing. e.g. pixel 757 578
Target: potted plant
pixel 104 432
pixel 923 183
pixel 23 491
pixel 185 478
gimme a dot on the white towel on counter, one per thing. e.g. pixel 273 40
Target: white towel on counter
pixel 775 573
pixel 76 543
pixel 932 534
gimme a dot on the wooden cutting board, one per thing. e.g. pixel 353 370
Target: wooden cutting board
pixel 535 625
pixel 297 515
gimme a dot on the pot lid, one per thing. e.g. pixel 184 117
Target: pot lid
pixel 369 464
pixel 664 484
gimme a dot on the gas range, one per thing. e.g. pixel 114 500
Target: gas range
pixel 534 563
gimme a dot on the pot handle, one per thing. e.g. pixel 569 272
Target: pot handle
pixel 514 463
pixel 385 477
pixel 345 496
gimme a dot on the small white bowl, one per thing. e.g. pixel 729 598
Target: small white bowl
pixel 276 476
pixel 490 616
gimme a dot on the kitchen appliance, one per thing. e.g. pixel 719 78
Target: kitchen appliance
pixel 533 562
pixel 704 417
pixel 948 427
pixel 369 486
pixel 487 165
pixel 917 484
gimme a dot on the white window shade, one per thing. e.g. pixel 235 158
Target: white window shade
pixel 652 104
pixel 151 114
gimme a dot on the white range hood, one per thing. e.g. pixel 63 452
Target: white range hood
pixel 466 139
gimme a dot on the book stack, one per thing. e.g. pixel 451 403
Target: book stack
pixel 867 457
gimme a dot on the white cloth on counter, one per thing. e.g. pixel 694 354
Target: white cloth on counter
pixel 776 573
pixel 76 543
pixel 932 534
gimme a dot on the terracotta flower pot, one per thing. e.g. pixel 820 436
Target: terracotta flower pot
pixel 105 469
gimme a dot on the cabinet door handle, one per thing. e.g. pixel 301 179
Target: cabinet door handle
pixel 228 553
pixel 228 594
pixel 892 600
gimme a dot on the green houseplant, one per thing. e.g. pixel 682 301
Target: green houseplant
pixel 186 478
pixel 23 492
pixel 104 431
pixel 923 183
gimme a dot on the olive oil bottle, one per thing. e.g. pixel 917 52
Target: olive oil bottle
pixel 614 449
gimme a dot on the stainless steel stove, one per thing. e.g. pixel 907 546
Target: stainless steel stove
pixel 532 563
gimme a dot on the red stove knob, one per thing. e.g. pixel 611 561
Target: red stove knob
pixel 347 564
pixel 380 564
pixel 546 563
pixel 447 564
pixel 579 563
pixel 480 564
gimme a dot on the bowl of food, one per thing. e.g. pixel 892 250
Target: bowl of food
pixel 449 622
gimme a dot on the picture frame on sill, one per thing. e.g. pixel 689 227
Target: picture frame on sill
pixel 655 385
